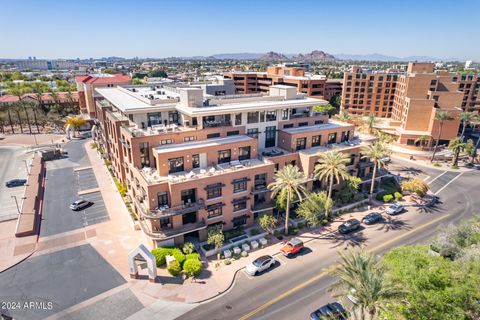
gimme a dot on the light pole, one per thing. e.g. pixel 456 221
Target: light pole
pixel 26 166
pixel 16 202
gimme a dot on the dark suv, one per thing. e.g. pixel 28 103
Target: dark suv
pixel 349 226
pixel 15 183
pixel 330 311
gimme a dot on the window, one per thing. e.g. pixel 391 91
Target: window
pixel 233 133
pixel 270 136
pixel 195 161
pixel 238 119
pixel 239 204
pixel 240 185
pixel 352 160
pixel 288 125
pixel 260 181
pixel 332 137
pixel 224 156
pixel 345 136
pixel 244 153
pixel 271 115
pixel 162 198
pixel 166 141
pixel 316 141
pixel 188 196
pixel 252 117
pixel 214 190
pixel 284 114
pixel 189 138
pixel 214 210
pixel 153 118
pixel 213 135
pixel 173 117
pixel 239 221
pixel 144 154
pixel 175 165
pixel 301 143
pixel 318 121
pixel 262 116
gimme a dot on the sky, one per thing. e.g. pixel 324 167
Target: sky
pixel 148 28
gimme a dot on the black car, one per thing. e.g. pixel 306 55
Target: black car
pixel 15 183
pixel 348 226
pixel 372 218
pixel 329 311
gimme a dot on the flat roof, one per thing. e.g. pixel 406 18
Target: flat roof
pixel 127 101
pixel 201 144
pixel 317 127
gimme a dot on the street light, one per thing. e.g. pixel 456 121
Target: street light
pixel 16 202
pixel 26 166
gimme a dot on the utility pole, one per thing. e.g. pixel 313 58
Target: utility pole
pixel 16 202
pixel 26 167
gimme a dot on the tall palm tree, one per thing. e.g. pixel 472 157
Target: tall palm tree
pixel 441 117
pixel 466 118
pixel 25 107
pixel 16 107
pixel 8 107
pixel 369 123
pixel 288 183
pixel 332 167
pixel 362 276
pixel 457 146
pixel 343 116
pixel 375 152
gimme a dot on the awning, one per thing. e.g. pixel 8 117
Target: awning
pixel 215 206
pixel 238 200
pixel 214 186
pixel 240 218
pixel 240 180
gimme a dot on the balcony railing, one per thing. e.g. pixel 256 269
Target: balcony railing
pixel 167 233
pixel 166 211
pixel 216 124
pixel 259 189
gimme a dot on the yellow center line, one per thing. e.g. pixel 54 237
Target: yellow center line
pixel 324 273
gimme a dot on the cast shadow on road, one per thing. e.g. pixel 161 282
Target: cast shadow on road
pixel 302 252
pixel 390 223
pixel 411 171
pixel 353 239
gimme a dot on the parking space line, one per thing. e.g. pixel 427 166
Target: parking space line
pixel 448 183
pixel 247 275
pixel 428 177
pixel 437 177
pixel 281 259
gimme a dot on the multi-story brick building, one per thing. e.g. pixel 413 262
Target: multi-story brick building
pixel 410 100
pixel 315 86
pixel 86 85
pixel 192 160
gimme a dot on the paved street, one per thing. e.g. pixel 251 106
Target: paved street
pixel 298 286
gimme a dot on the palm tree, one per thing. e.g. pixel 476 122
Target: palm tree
pixel 24 105
pixel 375 152
pixel 10 118
pixel 441 117
pixel 16 107
pixel 343 116
pixel 457 146
pixel 288 183
pixel 466 118
pixel 369 123
pixel 422 140
pixel 332 167
pixel 362 276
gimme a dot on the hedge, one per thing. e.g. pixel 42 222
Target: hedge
pixel 174 268
pixel 398 195
pixel 161 253
pixel 387 198
pixel 192 267
pixel 194 256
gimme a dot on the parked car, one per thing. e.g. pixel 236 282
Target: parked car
pixel 260 264
pixel 372 218
pixel 292 247
pixel 394 209
pixel 330 311
pixel 386 159
pixel 349 226
pixel 79 204
pixel 15 183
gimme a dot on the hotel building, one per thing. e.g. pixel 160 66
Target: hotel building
pixel 410 100
pixel 315 86
pixel 191 160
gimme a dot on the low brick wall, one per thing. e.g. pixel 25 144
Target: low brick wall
pixel 29 218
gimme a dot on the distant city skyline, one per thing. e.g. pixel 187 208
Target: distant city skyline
pixel 53 29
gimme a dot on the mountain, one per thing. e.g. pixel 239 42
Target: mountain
pixel 238 56
pixel 273 56
pixel 315 55
pixel 382 57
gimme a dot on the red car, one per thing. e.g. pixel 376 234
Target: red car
pixel 292 247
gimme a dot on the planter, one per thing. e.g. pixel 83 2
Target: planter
pixel 227 254
pixel 245 247
pixel 263 241
pixel 254 244
pixel 236 250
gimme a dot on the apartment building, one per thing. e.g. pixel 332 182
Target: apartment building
pixel 192 160
pixel 315 86
pixel 410 99
pixel 86 85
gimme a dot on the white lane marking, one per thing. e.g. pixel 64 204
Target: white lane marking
pixel 448 183
pixel 281 259
pixel 428 177
pixel 437 177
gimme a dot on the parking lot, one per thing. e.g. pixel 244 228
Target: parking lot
pixel 96 212
pixel 86 179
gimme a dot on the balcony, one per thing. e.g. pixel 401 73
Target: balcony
pixel 168 233
pixel 166 211
pixel 157 129
pixel 217 124
pixel 259 189
pixel 267 205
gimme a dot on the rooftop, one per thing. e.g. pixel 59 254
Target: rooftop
pixel 324 126
pixel 104 78
pixel 200 144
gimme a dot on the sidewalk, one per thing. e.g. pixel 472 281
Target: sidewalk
pixel 426 163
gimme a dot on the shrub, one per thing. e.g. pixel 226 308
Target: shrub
pixel 194 256
pixel 227 262
pixel 380 195
pixel 387 198
pixel 415 185
pixel 178 255
pixel 437 165
pixel 208 246
pixel 192 267
pixel 398 196
pixel 174 268
pixel 160 254
pixel 455 167
pixel 254 231
pixel 233 233
pixel 188 248
pixel 324 222
pixel 244 254
pixel 300 225
pixel 293 232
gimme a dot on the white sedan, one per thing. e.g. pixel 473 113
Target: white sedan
pixel 260 264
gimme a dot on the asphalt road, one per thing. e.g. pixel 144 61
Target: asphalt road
pixel 298 286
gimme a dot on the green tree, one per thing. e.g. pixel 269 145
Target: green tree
pixel 343 116
pixel 268 222
pixel 314 205
pixel 369 123
pixel 422 140
pixel 192 267
pixel 375 153
pixel 441 117
pixel 216 237
pixel 157 73
pixel 466 118
pixel 326 109
pixel 136 81
pixel 76 122
pixel 470 149
pixel 362 276
pixel 188 248
pixel 288 183
pixel 415 185
pixel 331 167
pixel 336 101
pixel 456 146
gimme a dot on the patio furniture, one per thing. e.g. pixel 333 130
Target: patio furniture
pixel 245 247
pixel 254 244
pixel 236 250
pixel 263 241
pixel 227 253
